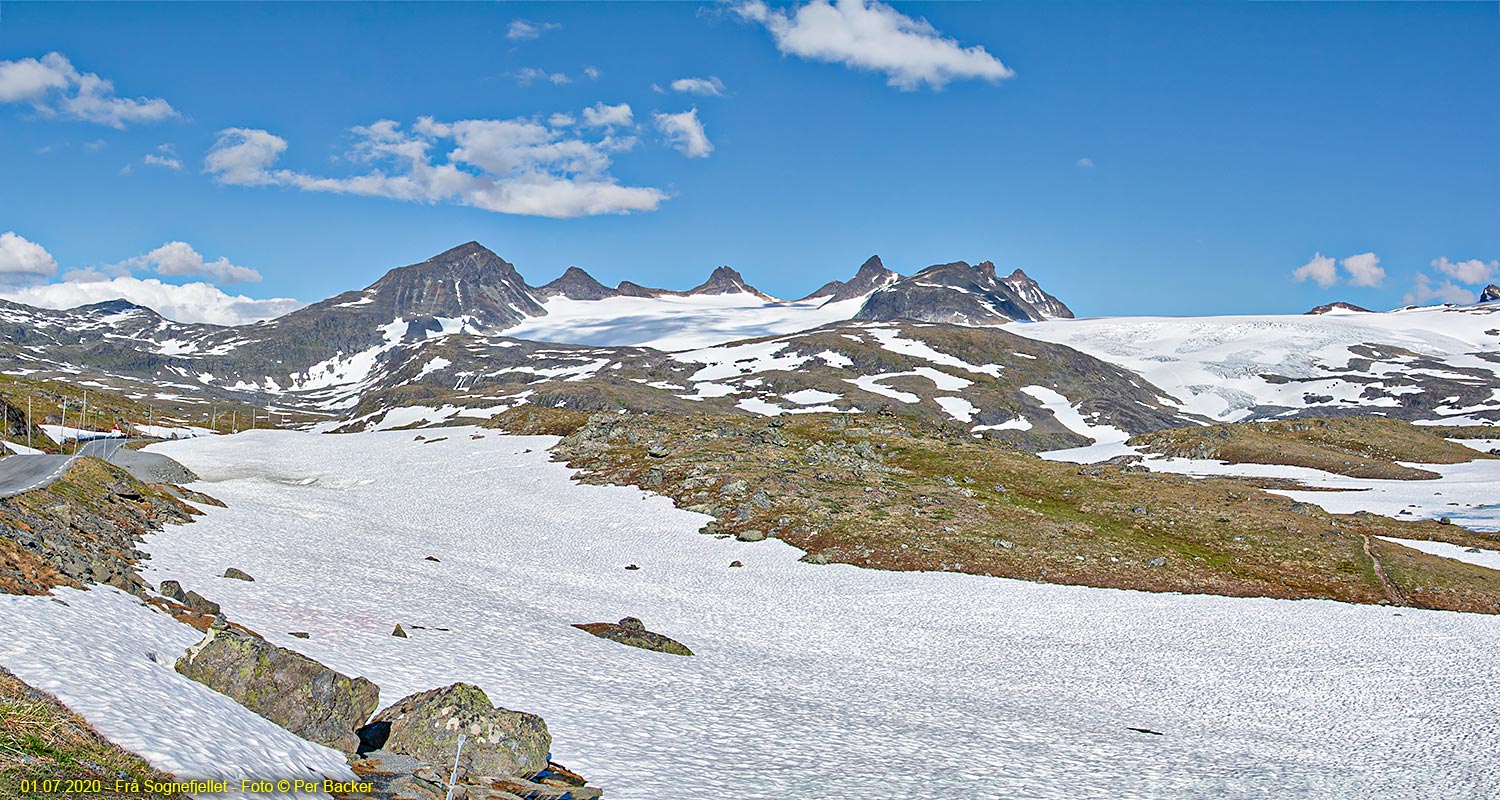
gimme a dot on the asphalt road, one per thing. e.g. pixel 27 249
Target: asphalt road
pixel 22 473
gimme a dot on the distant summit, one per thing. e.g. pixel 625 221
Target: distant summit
pixel 1337 307
pixel 872 275
pixel 964 294
pixel 467 280
pixel 575 284
pixel 1490 294
pixel 724 280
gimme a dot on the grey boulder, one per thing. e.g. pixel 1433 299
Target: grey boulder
pixel 499 741
pixel 284 686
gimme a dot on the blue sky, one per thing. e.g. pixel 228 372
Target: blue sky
pixel 1136 158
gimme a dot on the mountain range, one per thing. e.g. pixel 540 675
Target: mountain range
pixel 463 334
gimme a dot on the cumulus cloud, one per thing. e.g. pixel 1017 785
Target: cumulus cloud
pixel 1472 271
pixel 708 86
pixel 1364 270
pixel 600 115
pixel 1425 290
pixel 530 75
pixel 1085 163
pixel 179 258
pixel 869 35
pixel 189 302
pixel 22 260
pixel 53 87
pixel 1320 270
pixel 521 30
pixel 685 132
pixel 510 166
pixel 592 72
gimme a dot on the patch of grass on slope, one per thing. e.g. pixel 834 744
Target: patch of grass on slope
pixel 41 740
pixel 894 493
pixel 1359 447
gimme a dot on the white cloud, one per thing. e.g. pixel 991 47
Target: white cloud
pixel 1085 163
pixel 708 86
pixel 179 258
pixel 1472 271
pixel 170 162
pixel 868 35
pixel 1364 270
pixel 685 132
pixel 592 72
pixel 1320 270
pixel 190 302
pixel 96 146
pixel 1425 291
pixel 530 75
pixel 656 87
pixel 600 115
pixel 55 88
pixel 513 166
pixel 22 260
pixel 521 30
pixel 561 120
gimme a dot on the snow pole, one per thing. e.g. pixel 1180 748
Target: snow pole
pixel 453 776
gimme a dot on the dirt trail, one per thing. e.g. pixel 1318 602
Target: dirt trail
pixel 1392 593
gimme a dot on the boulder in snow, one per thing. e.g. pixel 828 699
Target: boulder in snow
pixel 284 686
pixel 426 726
pixel 633 632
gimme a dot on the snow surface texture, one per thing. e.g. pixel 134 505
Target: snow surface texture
pixel 676 323
pixel 1214 365
pixel 110 659
pixel 809 681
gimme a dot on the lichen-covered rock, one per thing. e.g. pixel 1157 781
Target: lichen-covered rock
pixel 284 686
pixel 238 574
pixel 426 726
pixel 633 632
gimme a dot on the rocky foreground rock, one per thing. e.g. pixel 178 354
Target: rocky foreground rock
pixel 426 726
pixel 284 686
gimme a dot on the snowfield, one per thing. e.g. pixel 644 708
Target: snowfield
pixel 1215 365
pixel 809 681
pixel 674 323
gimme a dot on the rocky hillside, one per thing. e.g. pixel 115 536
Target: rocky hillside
pixel 983 381
pixel 871 277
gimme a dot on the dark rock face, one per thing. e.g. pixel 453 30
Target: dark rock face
pixel 1490 294
pixel 575 284
pixel 963 294
pixel 500 742
pixel 238 574
pixel 629 289
pixel 872 275
pixel 284 686
pixel 633 632
pixel 724 280
pixel 468 279
pixel 1338 306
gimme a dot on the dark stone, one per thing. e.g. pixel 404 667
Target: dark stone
pixel 201 604
pixel 173 590
pixel 239 575
pixel 399 631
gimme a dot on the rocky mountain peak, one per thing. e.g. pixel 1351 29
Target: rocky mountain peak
pixel 466 280
pixel 1338 306
pixel 1490 294
pixel 724 280
pixel 872 275
pixel 964 294
pixel 576 284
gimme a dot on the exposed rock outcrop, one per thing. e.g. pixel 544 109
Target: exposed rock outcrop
pixel 284 686
pixel 1490 294
pixel 575 284
pixel 633 632
pixel 872 275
